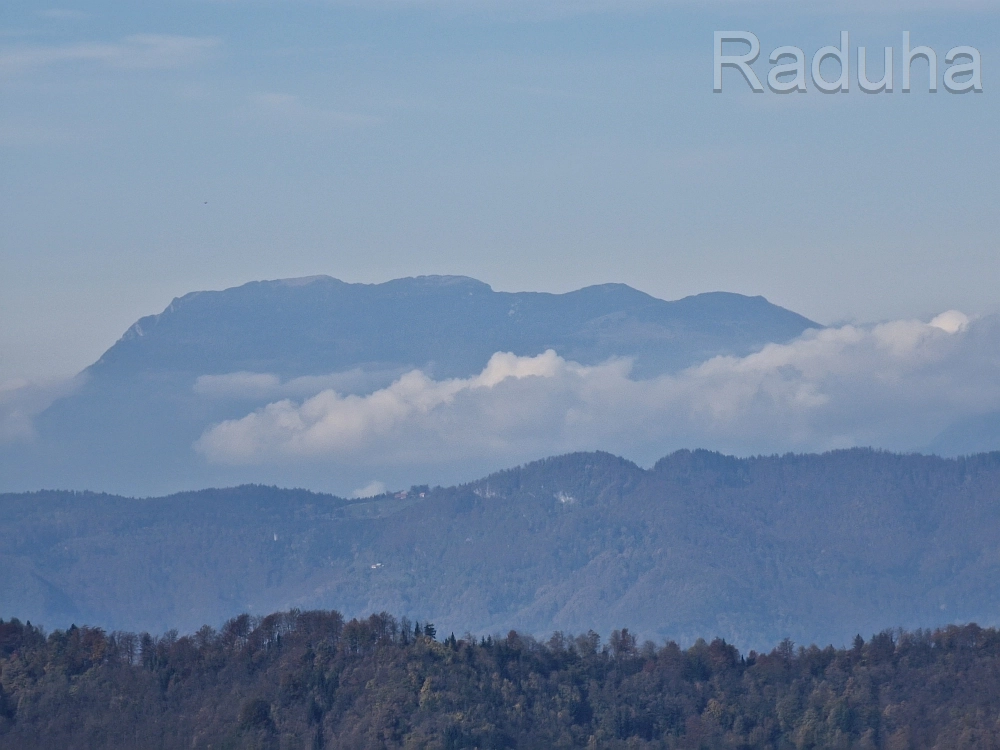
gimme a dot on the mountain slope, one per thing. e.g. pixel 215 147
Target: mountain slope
pixel 813 547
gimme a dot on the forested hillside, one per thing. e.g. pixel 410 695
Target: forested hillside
pixel 310 680
pixel 812 547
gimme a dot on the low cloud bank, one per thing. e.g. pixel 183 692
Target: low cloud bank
pixel 259 386
pixel 895 385
pixel 22 401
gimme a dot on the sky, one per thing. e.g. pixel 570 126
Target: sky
pixel 151 149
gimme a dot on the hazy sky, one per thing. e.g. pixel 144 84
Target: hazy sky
pixel 151 149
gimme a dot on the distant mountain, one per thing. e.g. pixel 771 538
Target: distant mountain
pixel 131 424
pixel 448 325
pixel 976 434
pixel 812 547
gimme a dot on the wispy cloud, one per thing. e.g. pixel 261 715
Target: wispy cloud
pixel 136 52
pixel 63 14
pixel 369 490
pixel 291 110
pixel 894 385
pixel 255 386
pixel 21 401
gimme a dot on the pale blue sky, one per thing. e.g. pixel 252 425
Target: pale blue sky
pixel 150 149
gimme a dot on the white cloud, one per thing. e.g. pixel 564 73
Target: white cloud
pixel 372 489
pixel 893 385
pixel 951 321
pixel 330 423
pixel 138 51
pixel 21 401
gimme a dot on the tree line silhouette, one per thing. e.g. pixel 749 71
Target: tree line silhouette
pixel 313 680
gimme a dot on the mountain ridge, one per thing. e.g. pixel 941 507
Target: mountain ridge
pixel 807 546
pixel 591 303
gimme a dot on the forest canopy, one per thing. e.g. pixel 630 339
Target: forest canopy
pixel 313 680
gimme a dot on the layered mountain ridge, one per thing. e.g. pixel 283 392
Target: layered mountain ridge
pixel 812 547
